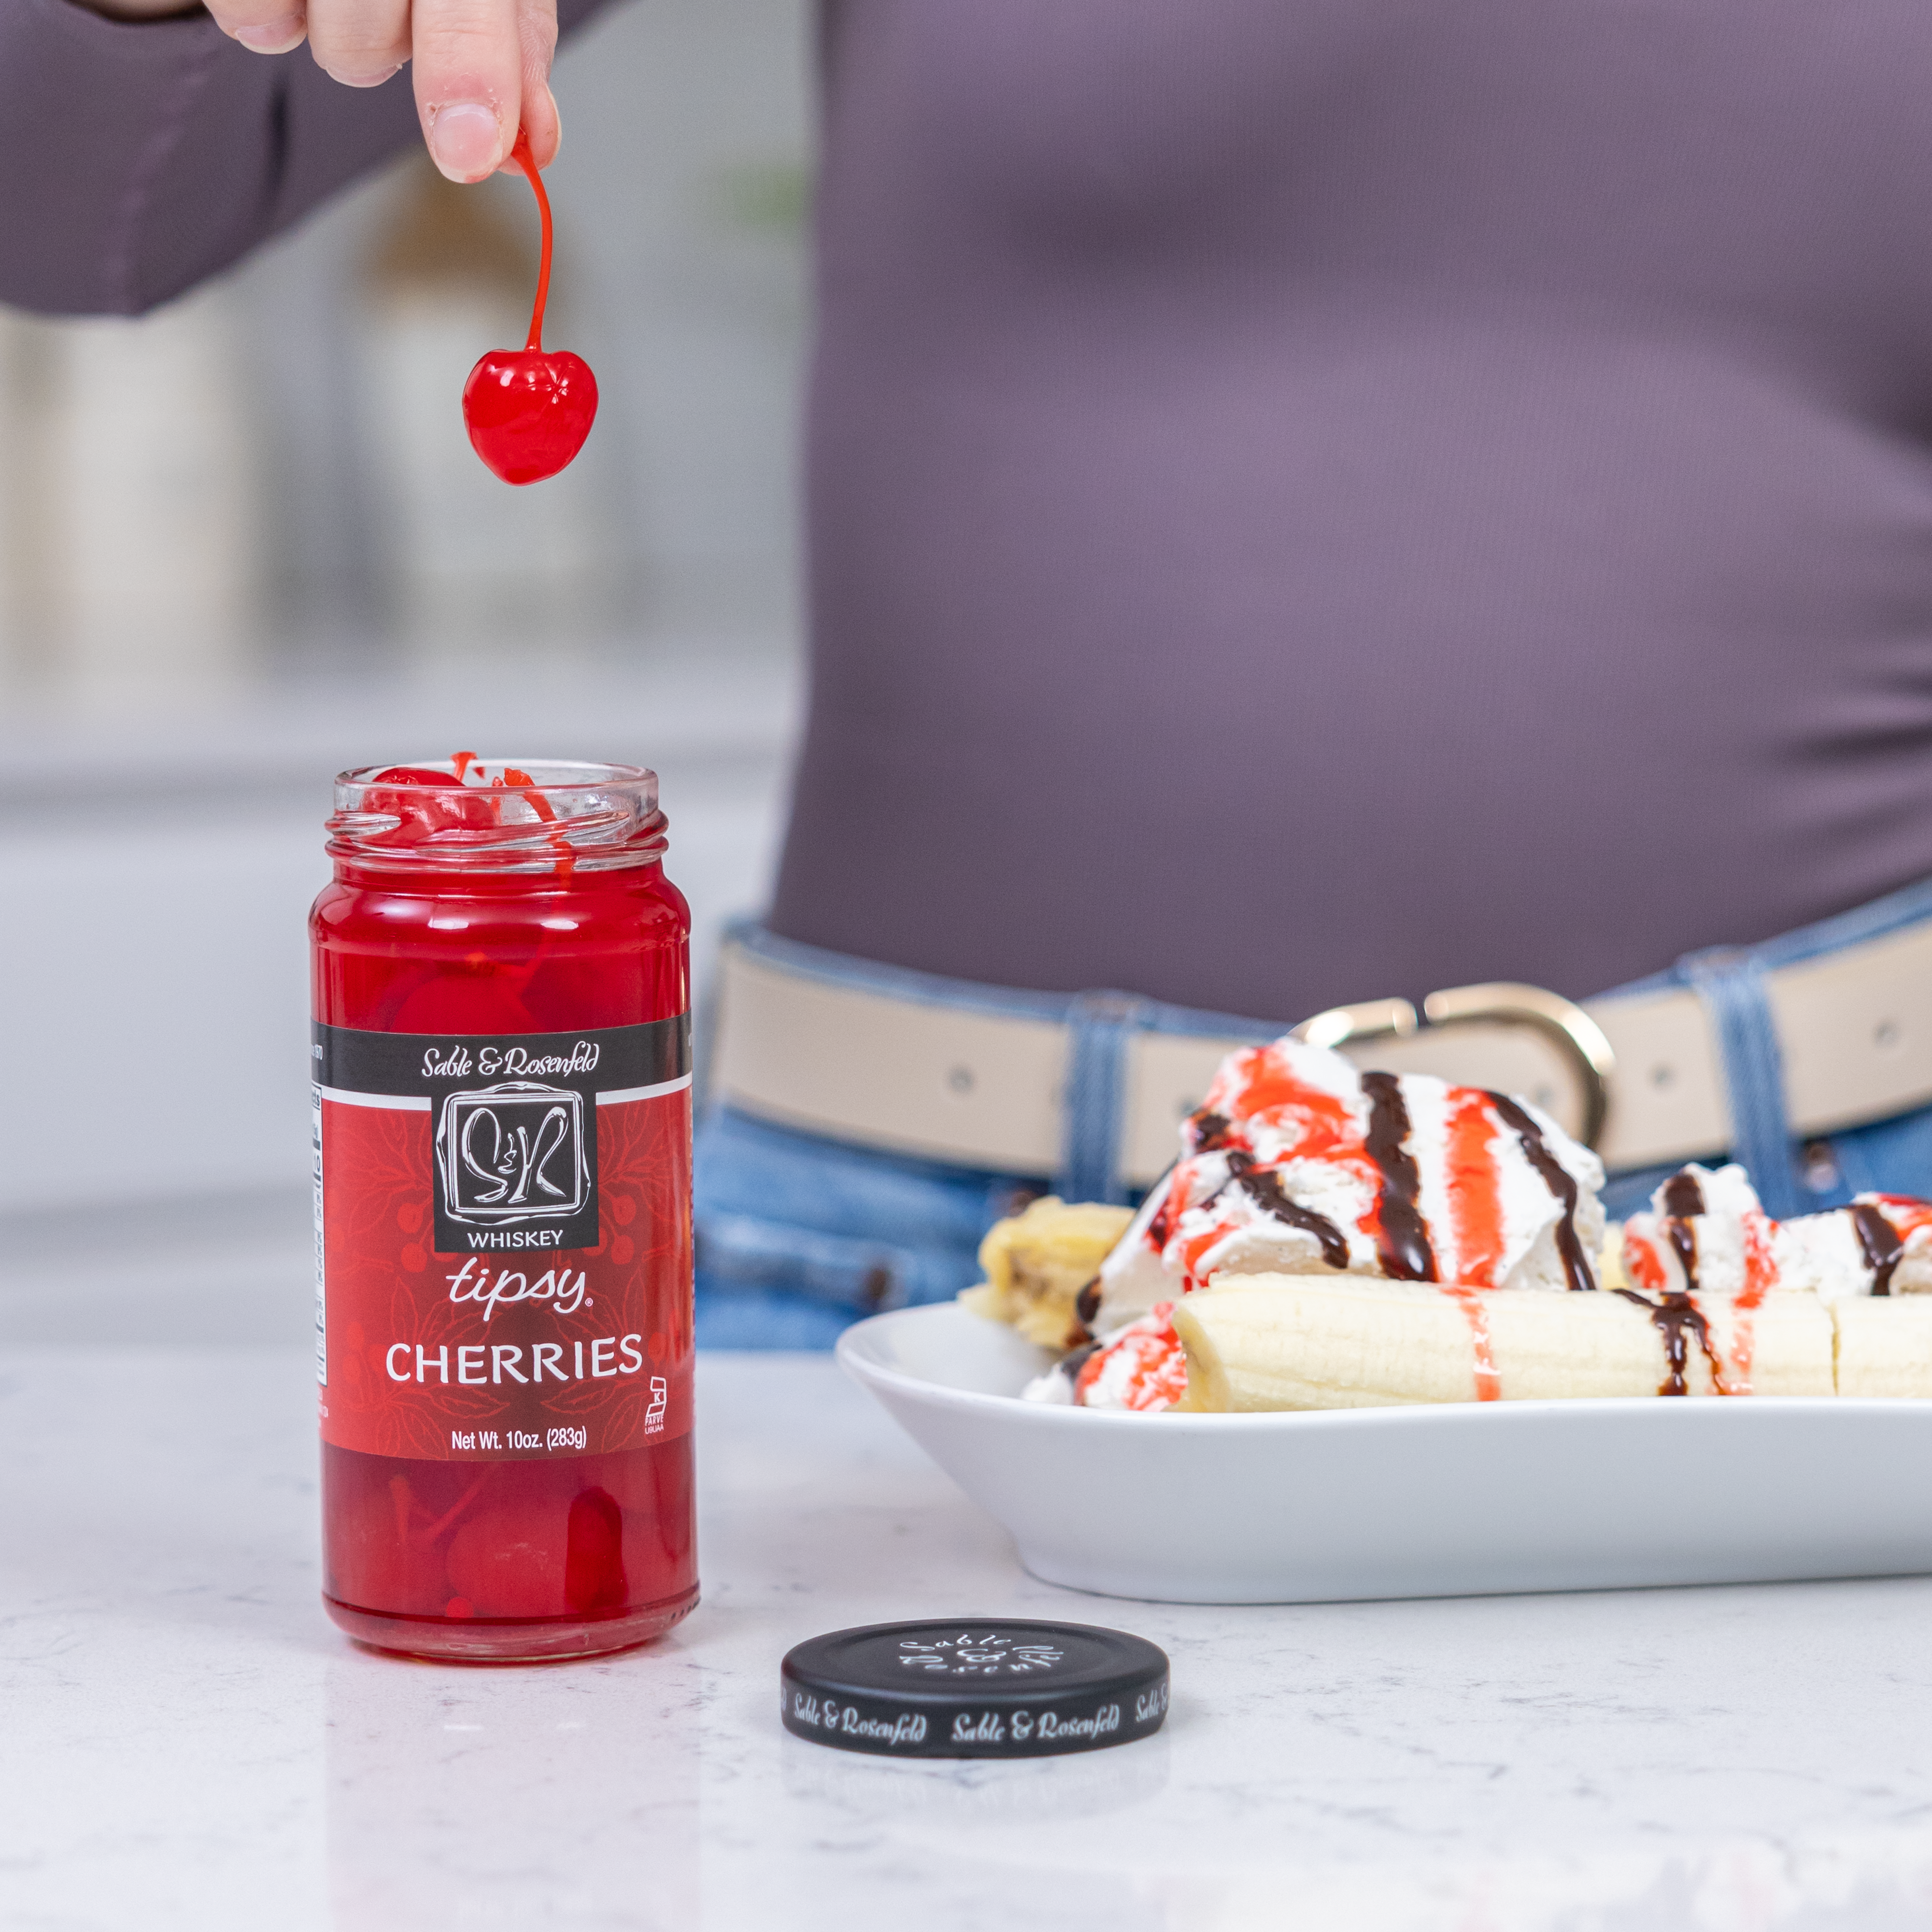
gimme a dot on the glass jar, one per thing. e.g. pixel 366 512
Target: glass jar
pixel 503 1265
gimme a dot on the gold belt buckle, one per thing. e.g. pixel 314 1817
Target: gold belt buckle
pixel 1502 1002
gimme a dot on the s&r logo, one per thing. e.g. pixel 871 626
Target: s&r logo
pixel 513 1154
pixel 991 1655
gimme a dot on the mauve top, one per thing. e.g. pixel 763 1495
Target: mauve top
pixel 1309 499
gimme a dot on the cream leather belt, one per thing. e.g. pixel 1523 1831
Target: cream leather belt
pixel 1640 1076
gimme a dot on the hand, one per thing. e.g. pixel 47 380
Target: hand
pixel 482 66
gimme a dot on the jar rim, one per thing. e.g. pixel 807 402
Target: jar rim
pixel 598 775
pixel 529 815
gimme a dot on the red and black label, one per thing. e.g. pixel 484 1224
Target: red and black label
pixel 503 1240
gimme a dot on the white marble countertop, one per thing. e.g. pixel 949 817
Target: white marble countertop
pixel 185 1741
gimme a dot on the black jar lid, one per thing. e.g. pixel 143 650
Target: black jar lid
pixel 978 1687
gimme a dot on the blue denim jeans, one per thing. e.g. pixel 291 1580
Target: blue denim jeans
pixel 799 1236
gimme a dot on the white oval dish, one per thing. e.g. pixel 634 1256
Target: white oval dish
pixel 1450 1501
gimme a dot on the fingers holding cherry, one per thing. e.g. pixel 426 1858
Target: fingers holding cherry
pixel 482 67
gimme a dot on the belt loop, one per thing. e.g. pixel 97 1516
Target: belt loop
pixel 1731 985
pixel 1093 1102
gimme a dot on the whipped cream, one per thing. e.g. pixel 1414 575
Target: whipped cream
pixel 1143 1368
pixel 1055 1386
pixel 1706 1232
pixel 1298 1163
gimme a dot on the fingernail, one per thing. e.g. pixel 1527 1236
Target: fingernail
pixel 276 36
pixel 557 113
pixel 364 79
pixel 465 140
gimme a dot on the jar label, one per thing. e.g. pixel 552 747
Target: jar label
pixel 502 1227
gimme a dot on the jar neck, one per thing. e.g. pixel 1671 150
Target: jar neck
pixel 421 882
pixel 467 824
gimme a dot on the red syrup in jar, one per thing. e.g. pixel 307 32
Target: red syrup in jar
pixel 502 1130
pixel 528 410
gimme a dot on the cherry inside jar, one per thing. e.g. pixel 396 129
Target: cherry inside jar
pixel 502 1139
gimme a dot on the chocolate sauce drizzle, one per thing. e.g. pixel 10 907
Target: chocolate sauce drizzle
pixel 1207 1130
pixel 1070 1365
pixel 1264 1188
pixel 1683 1195
pixel 1160 1229
pixel 1878 1241
pixel 1671 1314
pixel 1560 1182
pixel 1086 1303
pixel 1673 1311
pixel 1684 1246
pixel 1683 1198
pixel 1403 1234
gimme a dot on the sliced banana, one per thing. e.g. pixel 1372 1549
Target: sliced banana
pixel 1282 1341
pixel 1037 1262
pixel 1884 1344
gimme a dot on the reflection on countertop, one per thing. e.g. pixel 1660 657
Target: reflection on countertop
pixel 189 1740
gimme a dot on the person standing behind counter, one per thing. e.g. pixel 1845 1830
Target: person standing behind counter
pixel 1306 504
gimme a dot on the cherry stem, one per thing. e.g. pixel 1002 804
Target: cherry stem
pixel 521 154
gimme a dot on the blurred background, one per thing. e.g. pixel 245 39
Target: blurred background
pixel 244 543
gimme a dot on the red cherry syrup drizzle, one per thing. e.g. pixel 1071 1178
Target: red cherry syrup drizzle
pixel 529 410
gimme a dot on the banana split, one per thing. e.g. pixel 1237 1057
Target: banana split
pixel 1330 1238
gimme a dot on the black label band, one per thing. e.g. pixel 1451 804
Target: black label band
pixel 427 1065
pixel 512 1117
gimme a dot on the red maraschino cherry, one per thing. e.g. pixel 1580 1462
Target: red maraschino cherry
pixel 529 410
